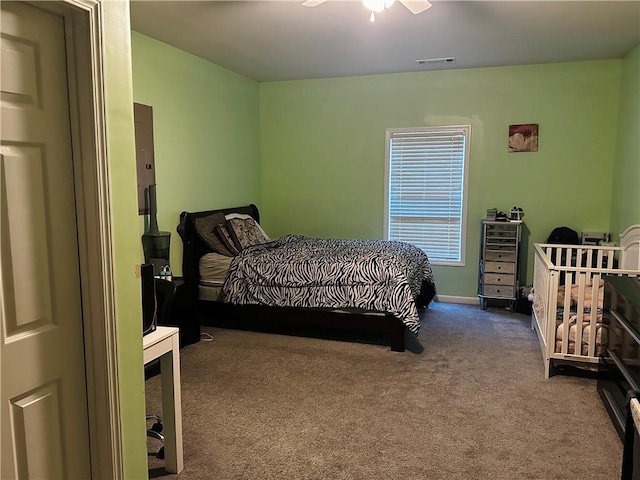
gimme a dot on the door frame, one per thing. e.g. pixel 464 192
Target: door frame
pixel 84 45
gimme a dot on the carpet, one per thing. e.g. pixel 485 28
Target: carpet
pixel 466 401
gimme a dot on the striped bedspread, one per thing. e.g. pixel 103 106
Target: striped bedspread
pixel 299 271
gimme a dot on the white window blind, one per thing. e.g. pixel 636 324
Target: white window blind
pixel 426 191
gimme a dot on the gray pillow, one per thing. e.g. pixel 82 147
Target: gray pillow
pixel 223 235
pixel 205 227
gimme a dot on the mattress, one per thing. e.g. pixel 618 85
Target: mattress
pixel 213 269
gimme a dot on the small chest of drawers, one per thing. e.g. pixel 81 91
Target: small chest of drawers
pixel 498 267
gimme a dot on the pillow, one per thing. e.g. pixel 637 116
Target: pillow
pixel 242 215
pixel 245 232
pixel 205 229
pixel 225 237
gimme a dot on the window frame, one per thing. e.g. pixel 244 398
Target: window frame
pixel 389 132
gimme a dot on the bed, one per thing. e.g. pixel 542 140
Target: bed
pixel 240 277
pixel 569 298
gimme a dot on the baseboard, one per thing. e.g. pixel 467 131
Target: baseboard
pixel 454 299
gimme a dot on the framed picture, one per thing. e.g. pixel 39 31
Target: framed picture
pixel 523 138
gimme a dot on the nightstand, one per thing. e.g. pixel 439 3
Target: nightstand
pixel 183 313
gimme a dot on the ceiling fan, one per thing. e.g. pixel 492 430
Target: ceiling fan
pixel 414 6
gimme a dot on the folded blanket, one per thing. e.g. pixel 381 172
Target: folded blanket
pixel 588 295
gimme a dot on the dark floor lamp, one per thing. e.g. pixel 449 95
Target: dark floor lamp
pixel 155 244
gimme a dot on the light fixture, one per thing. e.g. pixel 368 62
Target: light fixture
pixel 376 6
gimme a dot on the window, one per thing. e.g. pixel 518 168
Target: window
pixel 426 185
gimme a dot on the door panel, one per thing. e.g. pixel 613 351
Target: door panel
pixel 27 291
pixel 19 55
pixel 35 416
pixel 44 423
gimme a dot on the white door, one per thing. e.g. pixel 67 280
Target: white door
pixel 43 418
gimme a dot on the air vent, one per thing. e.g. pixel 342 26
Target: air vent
pixel 427 61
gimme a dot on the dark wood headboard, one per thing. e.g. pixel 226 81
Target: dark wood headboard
pixel 194 247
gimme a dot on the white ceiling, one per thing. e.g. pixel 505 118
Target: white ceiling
pixel 283 40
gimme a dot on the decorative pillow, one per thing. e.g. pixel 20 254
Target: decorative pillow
pixel 230 216
pixel 205 229
pixel 225 237
pixel 245 232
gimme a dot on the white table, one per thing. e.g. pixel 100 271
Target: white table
pixel 164 344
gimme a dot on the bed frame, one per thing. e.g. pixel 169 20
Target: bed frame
pixel 257 317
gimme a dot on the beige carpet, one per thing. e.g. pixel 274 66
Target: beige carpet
pixel 469 401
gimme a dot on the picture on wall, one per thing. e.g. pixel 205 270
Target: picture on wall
pixel 523 138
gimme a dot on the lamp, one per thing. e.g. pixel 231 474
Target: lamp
pixel 376 6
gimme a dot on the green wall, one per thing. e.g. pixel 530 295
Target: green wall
pixel 122 169
pixel 206 133
pixel 323 149
pixel 311 152
pixel 625 205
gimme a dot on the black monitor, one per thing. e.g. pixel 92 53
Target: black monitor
pixel 149 303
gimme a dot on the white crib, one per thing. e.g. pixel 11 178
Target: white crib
pixel 568 294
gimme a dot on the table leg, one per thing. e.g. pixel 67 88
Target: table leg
pixel 172 408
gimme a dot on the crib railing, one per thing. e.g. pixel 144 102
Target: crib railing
pixel 541 290
pixel 568 293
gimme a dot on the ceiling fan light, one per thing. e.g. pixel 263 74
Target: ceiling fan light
pixel 375 5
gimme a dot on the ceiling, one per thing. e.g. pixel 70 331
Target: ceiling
pixel 283 40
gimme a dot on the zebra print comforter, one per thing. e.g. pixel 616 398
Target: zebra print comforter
pixel 298 271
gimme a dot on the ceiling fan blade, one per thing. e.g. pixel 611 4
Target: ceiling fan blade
pixel 416 6
pixel 313 3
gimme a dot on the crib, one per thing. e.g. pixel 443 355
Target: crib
pixel 568 298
